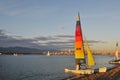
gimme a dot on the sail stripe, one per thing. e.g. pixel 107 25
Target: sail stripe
pixel 79 47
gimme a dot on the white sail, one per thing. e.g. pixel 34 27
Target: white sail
pixel 116 52
pixel 48 54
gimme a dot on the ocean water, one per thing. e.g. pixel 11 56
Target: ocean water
pixel 41 67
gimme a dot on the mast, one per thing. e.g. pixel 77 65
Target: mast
pixel 116 52
pixel 79 47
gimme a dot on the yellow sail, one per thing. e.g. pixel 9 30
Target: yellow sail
pixel 91 61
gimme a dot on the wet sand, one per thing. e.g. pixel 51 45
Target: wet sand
pixel 111 74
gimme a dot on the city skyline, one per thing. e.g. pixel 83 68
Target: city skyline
pixel 51 24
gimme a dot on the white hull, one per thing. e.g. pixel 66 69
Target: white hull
pixel 86 71
pixel 82 71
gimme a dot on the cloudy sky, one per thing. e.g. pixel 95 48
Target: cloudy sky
pixel 51 23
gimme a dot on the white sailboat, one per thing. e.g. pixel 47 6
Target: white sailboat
pixel 15 54
pixel 48 53
pixel 116 57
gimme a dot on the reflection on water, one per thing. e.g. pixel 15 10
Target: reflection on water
pixel 38 67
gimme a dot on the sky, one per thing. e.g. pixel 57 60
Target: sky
pixel 50 24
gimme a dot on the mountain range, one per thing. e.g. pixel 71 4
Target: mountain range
pixel 20 50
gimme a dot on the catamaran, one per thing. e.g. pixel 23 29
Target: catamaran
pixel 82 66
pixel 116 57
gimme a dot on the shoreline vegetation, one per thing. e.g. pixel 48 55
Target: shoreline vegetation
pixel 111 74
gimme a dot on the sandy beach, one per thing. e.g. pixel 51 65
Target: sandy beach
pixel 111 74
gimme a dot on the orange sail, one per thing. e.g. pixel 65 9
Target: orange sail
pixel 79 47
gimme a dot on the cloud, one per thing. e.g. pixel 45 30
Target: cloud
pixel 94 41
pixel 15 7
pixel 13 41
pixel 41 42
pixel 46 38
pixel 2 32
pixel 65 36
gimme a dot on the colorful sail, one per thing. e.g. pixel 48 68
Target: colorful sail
pixel 91 61
pixel 116 52
pixel 79 47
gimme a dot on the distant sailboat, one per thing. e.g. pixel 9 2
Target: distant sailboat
pixel 48 53
pixel 116 57
pixel 15 54
pixel 0 53
pixel 81 66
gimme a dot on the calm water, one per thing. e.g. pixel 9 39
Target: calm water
pixel 39 67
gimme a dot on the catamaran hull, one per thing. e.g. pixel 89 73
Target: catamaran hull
pixel 86 71
pixel 115 62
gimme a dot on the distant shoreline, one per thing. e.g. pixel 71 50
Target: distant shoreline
pixel 41 53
